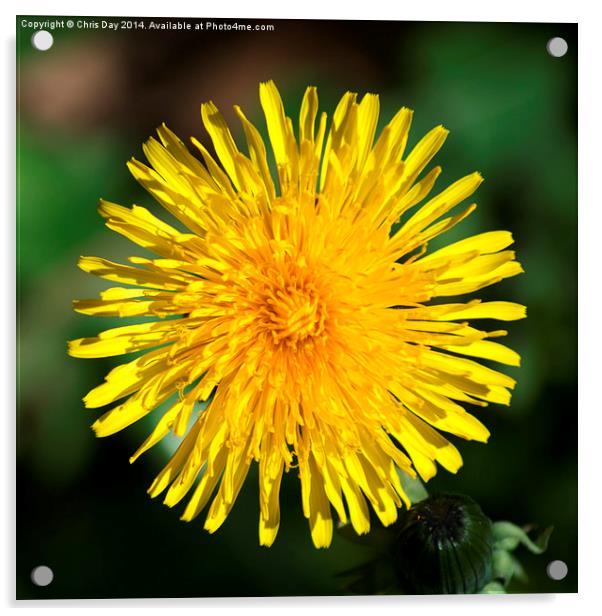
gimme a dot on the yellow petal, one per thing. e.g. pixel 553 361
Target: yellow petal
pixel 320 518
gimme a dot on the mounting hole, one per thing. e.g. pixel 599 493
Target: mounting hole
pixel 557 570
pixel 42 40
pixel 557 47
pixel 42 575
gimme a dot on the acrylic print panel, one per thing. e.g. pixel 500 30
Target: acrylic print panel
pixel 340 376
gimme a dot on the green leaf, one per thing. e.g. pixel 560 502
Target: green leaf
pixel 413 487
pixel 519 572
pixel 504 566
pixel 493 588
pixel 508 536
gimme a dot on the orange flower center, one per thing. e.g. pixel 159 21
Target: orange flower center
pixel 291 306
pixel 296 314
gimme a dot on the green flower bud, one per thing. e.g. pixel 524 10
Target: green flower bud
pixel 444 546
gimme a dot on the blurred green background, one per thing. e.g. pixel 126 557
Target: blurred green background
pixel 84 108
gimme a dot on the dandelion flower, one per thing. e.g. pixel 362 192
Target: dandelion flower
pixel 300 312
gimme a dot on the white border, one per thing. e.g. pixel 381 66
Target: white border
pixel 590 207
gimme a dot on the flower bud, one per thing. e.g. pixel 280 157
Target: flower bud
pixel 444 546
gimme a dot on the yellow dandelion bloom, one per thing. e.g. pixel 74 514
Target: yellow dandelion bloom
pixel 301 312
